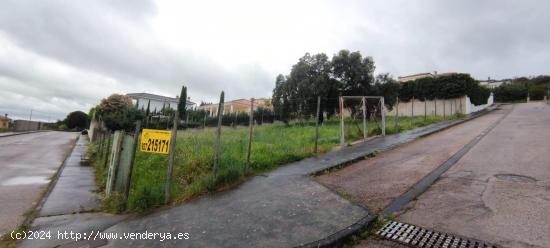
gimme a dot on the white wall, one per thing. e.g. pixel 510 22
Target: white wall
pixel 154 104
pixel 429 107
pixel 470 108
pixel 438 107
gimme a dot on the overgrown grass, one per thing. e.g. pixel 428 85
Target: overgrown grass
pixel 273 145
pixel 3 130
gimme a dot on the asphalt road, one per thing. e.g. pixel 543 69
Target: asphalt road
pixel 499 191
pixel 27 164
pixel 375 182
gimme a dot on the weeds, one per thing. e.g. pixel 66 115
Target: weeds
pixel 273 145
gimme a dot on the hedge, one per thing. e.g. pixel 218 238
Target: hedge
pixel 445 87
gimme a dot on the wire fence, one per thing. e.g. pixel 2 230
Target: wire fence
pixel 215 150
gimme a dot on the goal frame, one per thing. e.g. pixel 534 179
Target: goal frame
pixel 342 99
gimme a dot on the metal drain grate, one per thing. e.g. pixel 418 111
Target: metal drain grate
pixel 414 236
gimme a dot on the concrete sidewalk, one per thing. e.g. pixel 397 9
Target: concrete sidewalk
pixel 74 190
pixel 72 202
pixel 283 208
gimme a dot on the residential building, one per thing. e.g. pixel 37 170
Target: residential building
pixel 413 77
pixel 493 83
pixel 237 106
pixel 5 121
pixel 157 102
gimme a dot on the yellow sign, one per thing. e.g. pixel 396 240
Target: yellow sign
pixel 155 141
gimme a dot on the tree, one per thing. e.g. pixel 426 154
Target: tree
pixel 114 103
pixel 316 76
pixel 387 87
pixel 354 72
pixel 182 103
pixel 118 112
pixel 281 104
pixel 76 119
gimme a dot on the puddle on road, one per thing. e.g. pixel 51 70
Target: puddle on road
pixel 25 181
pixel 516 178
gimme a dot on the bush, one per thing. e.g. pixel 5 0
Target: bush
pixel 445 87
pixel 510 92
pixel 537 92
pixel 118 113
pixel 76 119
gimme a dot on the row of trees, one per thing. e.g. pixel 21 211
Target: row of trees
pixel 351 74
pixel 519 88
pixel 347 73
pixel 118 113
pixel 445 87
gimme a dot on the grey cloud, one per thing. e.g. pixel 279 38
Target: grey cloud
pixel 62 55
pixel 112 40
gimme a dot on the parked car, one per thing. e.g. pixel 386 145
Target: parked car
pixel 84 132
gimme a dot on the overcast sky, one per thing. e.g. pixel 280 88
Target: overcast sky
pixel 57 56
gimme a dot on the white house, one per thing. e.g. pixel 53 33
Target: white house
pixel 157 102
pixel 492 83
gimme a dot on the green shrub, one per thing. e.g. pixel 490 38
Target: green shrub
pixel 511 93
pixel 445 87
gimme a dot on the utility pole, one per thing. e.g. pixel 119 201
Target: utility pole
pixel 30 117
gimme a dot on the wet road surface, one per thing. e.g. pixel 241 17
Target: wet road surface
pixel 375 182
pixel 500 191
pixel 27 163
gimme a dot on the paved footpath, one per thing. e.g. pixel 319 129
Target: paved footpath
pixel 283 208
pixel 27 162
pixel 71 204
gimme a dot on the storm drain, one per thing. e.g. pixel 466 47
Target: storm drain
pixel 414 236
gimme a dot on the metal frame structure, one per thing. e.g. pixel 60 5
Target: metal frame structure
pixel 364 108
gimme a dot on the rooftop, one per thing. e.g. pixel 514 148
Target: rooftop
pixel 156 97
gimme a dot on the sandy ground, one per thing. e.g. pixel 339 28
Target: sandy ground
pixel 27 163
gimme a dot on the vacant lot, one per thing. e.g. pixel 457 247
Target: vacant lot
pixel 273 145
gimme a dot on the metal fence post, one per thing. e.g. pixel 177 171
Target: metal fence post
pixel 132 159
pixel 250 130
pixel 425 109
pixel 451 103
pixel 218 134
pixel 168 184
pixel 435 107
pixel 317 124
pixel 444 109
pixel 412 111
pixel 365 130
pixel 342 138
pixel 383 108
pixel 396 114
